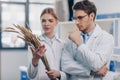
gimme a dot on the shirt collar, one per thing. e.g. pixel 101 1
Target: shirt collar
pixel 88 34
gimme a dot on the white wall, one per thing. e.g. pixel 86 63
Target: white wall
pixel 10 62
pixel 62 10
pixel 107 6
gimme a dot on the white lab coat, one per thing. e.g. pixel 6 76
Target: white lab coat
pixel 53 54
pixel 78 61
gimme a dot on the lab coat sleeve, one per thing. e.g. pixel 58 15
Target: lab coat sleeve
pixel 32 71
pixel 101 55
pixel 63 76
pixel 69 65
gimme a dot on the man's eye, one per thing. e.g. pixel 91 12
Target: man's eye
pixel 80 17
pixel 74 18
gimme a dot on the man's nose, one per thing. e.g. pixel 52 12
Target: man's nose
pixel 76 21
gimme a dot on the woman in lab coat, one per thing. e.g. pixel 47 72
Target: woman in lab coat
pixel 86 56
pixel 51 46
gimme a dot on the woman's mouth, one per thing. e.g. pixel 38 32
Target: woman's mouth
pixel 46 28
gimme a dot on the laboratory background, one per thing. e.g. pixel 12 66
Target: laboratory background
pixel 13 51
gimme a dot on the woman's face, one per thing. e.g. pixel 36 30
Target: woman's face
pixel 48 23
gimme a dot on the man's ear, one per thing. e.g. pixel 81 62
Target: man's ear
pixel 92 15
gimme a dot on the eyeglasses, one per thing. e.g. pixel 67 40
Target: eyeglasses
pixel 79 17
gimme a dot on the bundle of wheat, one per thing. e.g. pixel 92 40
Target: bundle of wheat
pixel 30 38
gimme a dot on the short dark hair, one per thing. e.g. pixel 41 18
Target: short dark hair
pixel 87 6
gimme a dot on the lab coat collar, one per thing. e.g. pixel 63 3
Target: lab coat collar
pixel 42 38
pixel 97 31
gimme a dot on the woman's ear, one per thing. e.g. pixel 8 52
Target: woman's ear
pixel 57 22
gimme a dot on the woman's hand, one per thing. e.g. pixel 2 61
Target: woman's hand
pixel 37 54
pixel 53 74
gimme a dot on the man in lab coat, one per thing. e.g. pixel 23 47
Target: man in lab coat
pixel 87 54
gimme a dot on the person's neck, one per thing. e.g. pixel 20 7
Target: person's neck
pixel 50 35
pixel 91 27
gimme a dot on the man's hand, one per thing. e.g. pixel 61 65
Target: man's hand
pixel 75 37
pixel 103 70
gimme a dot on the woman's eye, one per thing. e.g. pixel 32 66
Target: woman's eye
pixel 43 20
pixel 50 20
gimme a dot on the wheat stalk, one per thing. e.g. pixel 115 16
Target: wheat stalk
pixel 31 39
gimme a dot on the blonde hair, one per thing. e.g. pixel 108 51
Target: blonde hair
pixel 49 11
